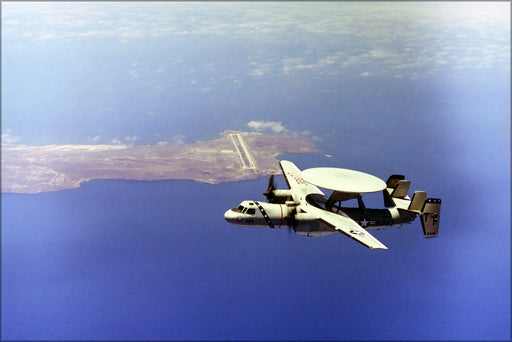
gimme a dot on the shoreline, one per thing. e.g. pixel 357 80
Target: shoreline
pixel 35 169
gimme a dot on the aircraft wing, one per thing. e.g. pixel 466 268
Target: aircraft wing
pixel 300 188
pixel 349 227
pixel 344 224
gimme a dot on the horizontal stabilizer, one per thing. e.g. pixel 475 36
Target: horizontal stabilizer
pixel 430 217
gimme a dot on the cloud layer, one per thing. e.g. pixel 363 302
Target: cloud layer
pixel 398 39
pixel 154 67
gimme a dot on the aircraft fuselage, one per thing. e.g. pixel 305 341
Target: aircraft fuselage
pixel 289 215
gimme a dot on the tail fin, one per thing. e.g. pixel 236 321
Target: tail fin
pixel 430 217
pixel 395 194
pixel 417 202
pixel 429 209
pixel 397 186
pixel 393 180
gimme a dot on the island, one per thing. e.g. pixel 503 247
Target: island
pixel 236 156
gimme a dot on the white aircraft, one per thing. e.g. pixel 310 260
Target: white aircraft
pixel 308 211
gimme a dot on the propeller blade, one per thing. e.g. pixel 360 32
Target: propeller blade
pixel 290 232
pixel 271 185
pixel 269 193
pixel 292 221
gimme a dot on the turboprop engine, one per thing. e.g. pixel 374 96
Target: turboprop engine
pixel 274 195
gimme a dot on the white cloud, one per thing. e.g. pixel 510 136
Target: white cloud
pixel 382 35
pixel 178 139
pixel 257 72
pixel 7 138
pixel 116 141
pixel 130 140
pixel 274 126
pixel 260 69
pixel 126 141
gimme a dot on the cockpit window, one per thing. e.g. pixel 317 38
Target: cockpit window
pixel 238 209
pixel 244 210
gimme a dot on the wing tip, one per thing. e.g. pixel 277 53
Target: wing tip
pixel 378 247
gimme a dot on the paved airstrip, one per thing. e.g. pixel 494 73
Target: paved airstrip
pixel 246 159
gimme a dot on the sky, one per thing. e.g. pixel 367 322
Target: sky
pixel 421 89
pixel 136 63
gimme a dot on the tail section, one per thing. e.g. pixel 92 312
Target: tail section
pixel 430 217
pixel 395 194
pixel 418 199
pixel 401 189
pixel 429 209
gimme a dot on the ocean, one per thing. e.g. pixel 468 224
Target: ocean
pixel 122 260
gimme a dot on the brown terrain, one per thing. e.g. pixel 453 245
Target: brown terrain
pixel 235 156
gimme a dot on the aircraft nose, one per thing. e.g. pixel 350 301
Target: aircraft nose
pixel 231 216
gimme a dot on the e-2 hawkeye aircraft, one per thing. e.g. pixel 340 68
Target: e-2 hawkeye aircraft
pixel 308 211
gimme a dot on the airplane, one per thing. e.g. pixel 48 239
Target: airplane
pixel 309 212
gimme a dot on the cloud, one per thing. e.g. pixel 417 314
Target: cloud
pixel 7 138
pixel 259 68
pixel 274 126
pixel 178 139
pixel 126 141
pixel 131 139
pixel 116 141
pixel 175 140
pixel 366 74
pixel 372 37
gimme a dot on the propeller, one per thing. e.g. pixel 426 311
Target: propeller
pixel 290 232
pixel 269 193
pixel 292 221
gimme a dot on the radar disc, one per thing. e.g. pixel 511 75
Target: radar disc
pixel 343 180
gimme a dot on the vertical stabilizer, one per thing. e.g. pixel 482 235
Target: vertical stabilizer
pixel 430 217
pixel 418 200
pixel 401 189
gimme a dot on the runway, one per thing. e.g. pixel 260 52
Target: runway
pixel 246 160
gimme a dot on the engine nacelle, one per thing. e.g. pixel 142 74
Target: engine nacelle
pixel 279 196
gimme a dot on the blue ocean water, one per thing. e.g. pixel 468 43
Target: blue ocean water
pixel 155 260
